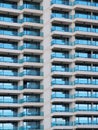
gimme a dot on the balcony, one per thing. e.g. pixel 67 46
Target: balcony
pixel 61 123
pixel 86 123
pixel 85 29
pixel 59 81
pixel 7 113
pixel 86 42
pixel 61 110
pixel 35 46
pixel 86 68
pixel 60 42
pixel 37 60
pixel 62 2
pixel 61 15
pixel 8 126
pixel 61 69
pixel 86 82
pixel 9 86
pixel 31 33
pixel 8 73
pixel 7 59
pixel 86 55
pixel 33 6
pixel 32 85
pixel 8 4
pixel 31 73
pixel 61 29
pixel 5 18
pixel 9 32
pixel 76 109
pixel 85 16
pixel 39 127
pixel 7 45
pixel 31 114
pixel 32 100
pixel 8 100
pixel 61 55
pixel 85 95
pixel 85 2
pixel 31 20
pixel 63 96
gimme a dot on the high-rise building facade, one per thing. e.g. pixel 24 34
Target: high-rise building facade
pixel 48 64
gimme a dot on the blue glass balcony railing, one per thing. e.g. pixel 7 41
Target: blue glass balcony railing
pixel 31 6
pixel 8 115
pixel 31 60
pixel 64 96
pixel 82 2
pixel 9 87
pixel 84 29
pixel 86 123
pixel 61 82
pixel 8 101
pixel 38 100
pixel 58 15
pixel 31 20
pixel 8 59
pixel 83 82
pixel 31 73
pixel 12 46
pixel 34 87
pixel 61 55
pixel 8 32
pixel 61 110
pixel 84 16
pixel 61 29
pixel 86 96
pixel 13 128
pixel 85 109
pixel 8 73
pixel 66 2
pixel 39 127
pixel 86 42
pixel 61 123
pixel 61 69
pixel 31 114
pixel 85 68
pixel 85 55
pixel 31 46
pixel 31 33
pixel 8 19
pixel 60 42
pixel 9 5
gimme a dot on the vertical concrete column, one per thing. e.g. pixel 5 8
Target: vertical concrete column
pixel 47 64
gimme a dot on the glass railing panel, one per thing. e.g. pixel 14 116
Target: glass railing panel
pixel 31 100
pixel 66 2
pixel 83 2
pixel 83 16
pixel 8 5
pixel 60 42
pixel 8 19
pixel 12 46
pixel 7 32
pixel 8 59
pixel 61 123
pixel 61 55
pixel 31 6
pixel 32 20
pixel 58 15
pixel 61 29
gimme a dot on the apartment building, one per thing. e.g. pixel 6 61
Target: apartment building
pixel 48 64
